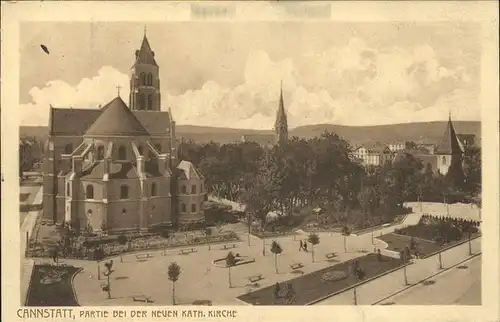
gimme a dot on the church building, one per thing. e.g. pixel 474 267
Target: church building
pixel 115 168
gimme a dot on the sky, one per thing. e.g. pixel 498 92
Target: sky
pixel 228 74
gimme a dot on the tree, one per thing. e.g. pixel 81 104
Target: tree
pixel 174 271
pixel 276 250
pixel 314 240
pixel 440 240
pixel 107 273
pixel 359 275
pixel 122 240
pixel 230 262
pixel 405 256
pixel 345 232
pixel 208 233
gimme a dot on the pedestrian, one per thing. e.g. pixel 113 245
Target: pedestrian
pixel 301 245
pixel 305 246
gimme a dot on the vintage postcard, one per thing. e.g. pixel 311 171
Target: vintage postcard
pixel 271 161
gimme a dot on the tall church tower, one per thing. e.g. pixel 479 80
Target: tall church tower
pixel 281 124
pixel 145 80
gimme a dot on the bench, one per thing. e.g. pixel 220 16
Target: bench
pixel 255 278
pixel 142 256
pixel 187 251
pixel 330 255
pixel 296 266
pixel 229 246
pixel 142 298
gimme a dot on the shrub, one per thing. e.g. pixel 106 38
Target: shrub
pixel 334 276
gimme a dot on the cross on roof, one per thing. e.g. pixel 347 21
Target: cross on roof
pixel 118 88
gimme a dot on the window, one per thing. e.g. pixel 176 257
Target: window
pixel 68 148
pixel 183 207
pixel 150 102
pixel 124 212
pixel 142 101
pixel 201 188
pixel 89 192
pixel 150 79
pixel 158 147
pixel 184 190
pixel 122 153
pixel 153 189
pixel 124 192
pixel 140 150
pixel 444 160
pixel 100 152
pixel 193 189
pixel 89 215
pixel 143 79
pixel 193 207
pixel 68 192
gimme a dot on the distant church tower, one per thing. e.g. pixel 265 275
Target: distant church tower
pixel 145 80
pixel 450 153
pixel 281 124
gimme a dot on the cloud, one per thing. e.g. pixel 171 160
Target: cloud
pixel 350 85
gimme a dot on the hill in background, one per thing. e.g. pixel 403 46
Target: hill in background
pixel 430 132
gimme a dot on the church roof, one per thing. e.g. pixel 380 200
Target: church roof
pixel 116 120
pixel 145 55
pixel 116 171
pixel 450 143
pixel 76 121
pixel 188 171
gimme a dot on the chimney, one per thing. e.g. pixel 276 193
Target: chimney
pixel 162 164
pixel 136 53
pixel 77 165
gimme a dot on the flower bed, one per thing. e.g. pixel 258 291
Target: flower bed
pixel 52 286
pixel 79 251
pixel 333 276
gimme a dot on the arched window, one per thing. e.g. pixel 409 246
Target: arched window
pixel 89 215
pixel 142 101
pixel 201 188
pixel 158 147
pixel 184 190
pixel 150 79
pixel 68 148
pixel 124 212
pixel 124 192
pixel 89 192
pixel 150 102
pixel 68 191
pixel 140 149
pixel 183 207
pixel 193 207
pixel 444 160
pixel 100 152
pixel 193 189
pixel 122 153
pixel 153 189
pixel 143 79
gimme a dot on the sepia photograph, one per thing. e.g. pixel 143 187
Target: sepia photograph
pixel 232 162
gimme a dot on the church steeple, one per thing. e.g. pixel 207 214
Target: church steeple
pixel 281 124
pixel 145 81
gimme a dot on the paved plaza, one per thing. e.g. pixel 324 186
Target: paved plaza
pixel 201 280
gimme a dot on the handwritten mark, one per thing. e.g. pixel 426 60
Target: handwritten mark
pixel 45 49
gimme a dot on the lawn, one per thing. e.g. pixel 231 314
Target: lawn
pixel 310 287
pixel 399 242
pixel 52 286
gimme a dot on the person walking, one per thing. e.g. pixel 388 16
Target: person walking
pixel 301 245
pixel 305 246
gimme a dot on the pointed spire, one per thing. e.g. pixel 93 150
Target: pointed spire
pixel 145 30
pixel 281 124
pixel 170 114
pixel 145 55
